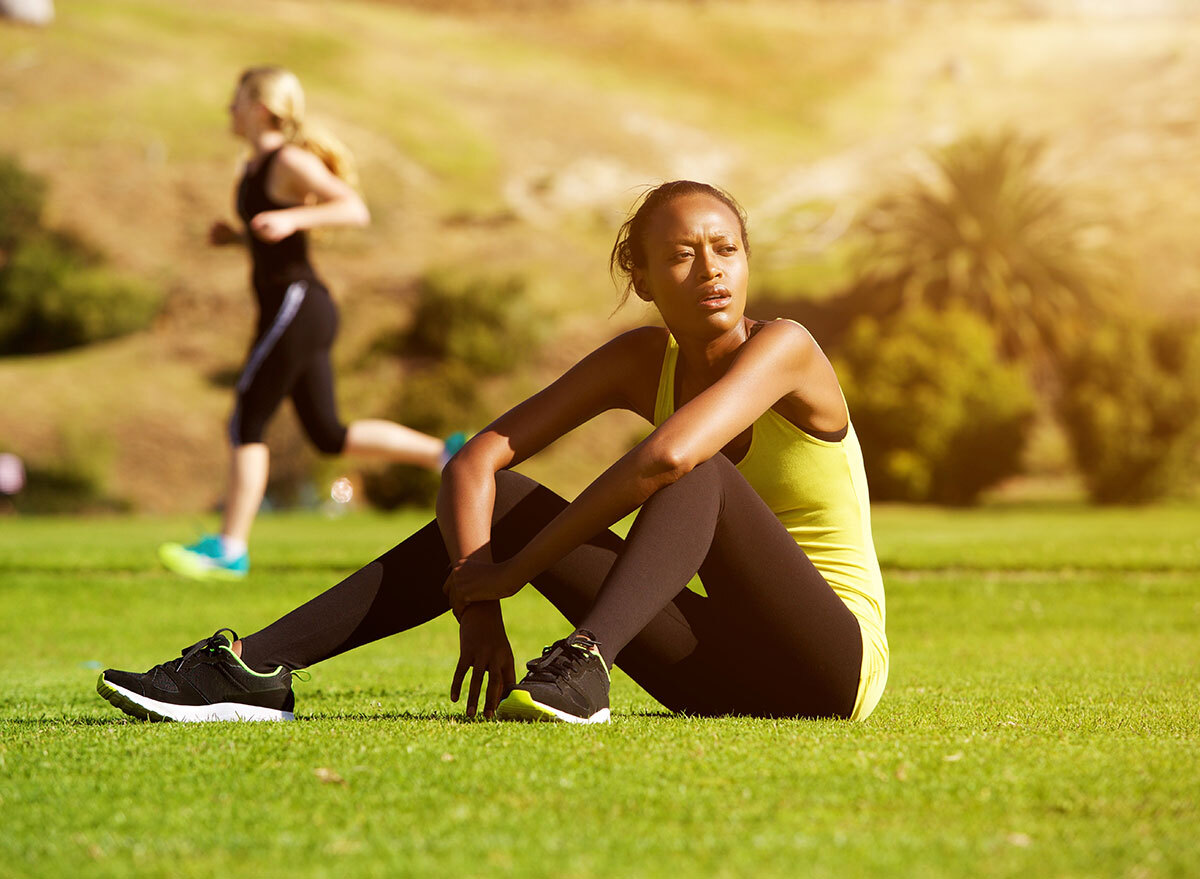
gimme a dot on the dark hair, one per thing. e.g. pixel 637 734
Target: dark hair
pixel 629 251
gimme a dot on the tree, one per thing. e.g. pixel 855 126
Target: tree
pixel 986 232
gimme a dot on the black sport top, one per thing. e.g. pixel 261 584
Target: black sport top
pixel 277 265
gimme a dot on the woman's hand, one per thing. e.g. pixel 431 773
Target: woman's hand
pixel 221 233
pixel 272 226
pixel 474 581
pixel 483 645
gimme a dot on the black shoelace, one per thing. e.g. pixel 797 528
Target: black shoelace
pixel 210 645
pixel 557 661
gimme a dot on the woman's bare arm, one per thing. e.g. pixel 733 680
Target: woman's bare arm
pixel 298 177
pixel 621 374
pixel 777 361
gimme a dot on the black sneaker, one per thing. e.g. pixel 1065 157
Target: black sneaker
pixel 568 682
pixel 208 682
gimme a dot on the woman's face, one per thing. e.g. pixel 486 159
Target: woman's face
pixel 241 111
pixel 696 269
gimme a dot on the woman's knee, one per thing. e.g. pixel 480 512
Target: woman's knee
pixel 511 489
pixel 243 431
pixel 329 439
pixel 702 481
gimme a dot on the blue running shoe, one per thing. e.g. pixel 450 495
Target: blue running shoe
pixel 204 560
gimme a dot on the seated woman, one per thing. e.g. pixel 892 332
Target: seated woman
pixel 752 477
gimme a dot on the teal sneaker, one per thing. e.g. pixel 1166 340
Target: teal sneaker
pixel 452 444
pixel 204 560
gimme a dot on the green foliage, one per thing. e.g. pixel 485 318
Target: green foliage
pixel 61 489
pixel 437 401
pixel 472 327
pixel 73 481
pixel 21 198
pixel 54 291
pixel 54 295
pixel 1130 405
pixel 484 323
pixel 939 417
pixel 986 232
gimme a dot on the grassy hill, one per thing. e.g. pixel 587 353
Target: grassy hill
pixel 514 140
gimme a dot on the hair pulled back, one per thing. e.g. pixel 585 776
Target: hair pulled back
pixel 629 251
pixel 279 91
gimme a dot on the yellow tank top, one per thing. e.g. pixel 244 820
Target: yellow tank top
pixel 818 490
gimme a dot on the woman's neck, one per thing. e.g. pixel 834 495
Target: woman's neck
pixel 265 141
pixel 708 359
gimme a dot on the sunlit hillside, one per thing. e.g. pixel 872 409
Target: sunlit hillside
pixel 513 141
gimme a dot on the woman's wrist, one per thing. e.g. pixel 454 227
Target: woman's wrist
pixel 512 576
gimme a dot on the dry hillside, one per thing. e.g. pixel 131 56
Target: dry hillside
pixel 515 141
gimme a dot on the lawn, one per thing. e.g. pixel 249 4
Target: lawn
pixel 1041 720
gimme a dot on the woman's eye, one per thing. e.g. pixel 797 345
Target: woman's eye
pixel 682 255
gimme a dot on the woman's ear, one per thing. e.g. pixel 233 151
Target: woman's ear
pixel 639 285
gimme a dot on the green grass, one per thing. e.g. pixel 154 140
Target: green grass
pixel 1041 720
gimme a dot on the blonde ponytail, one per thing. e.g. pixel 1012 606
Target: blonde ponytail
pixel 279 91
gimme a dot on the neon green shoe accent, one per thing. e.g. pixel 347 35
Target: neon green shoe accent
pixel 184 561
pixel 248 669
pixel 519 705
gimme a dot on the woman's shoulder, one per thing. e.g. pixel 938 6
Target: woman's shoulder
pixel 645 337
pixel 640 341
pixel 295 158
pixel 632 352
pixel 783 334
pixel 781 326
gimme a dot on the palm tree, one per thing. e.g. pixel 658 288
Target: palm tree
pixel 984 230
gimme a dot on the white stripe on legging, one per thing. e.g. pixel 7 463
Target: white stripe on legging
pixel 292 300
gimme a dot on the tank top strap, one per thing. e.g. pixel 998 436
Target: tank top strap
pixel 265 163
pixel 664 403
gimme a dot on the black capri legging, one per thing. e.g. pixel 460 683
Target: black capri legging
pixel 771 637
pixel 290 356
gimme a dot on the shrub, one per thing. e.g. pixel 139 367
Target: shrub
pixel 939 416
pixel 62 489
pixel 474 327
pixel 73 481
pixel 1130 405
pixel 55 295
pixel 437 401
pixel 54 291
pixel 484 323
pixel 21 198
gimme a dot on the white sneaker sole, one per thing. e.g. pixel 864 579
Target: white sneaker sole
pixel 519 705
pixel 145 708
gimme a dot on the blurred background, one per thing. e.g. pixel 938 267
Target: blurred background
pixel 986 213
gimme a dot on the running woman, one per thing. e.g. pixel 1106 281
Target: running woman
pixel 296 179
pixel 752 477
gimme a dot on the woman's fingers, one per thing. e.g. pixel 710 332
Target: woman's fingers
pixel 460 672
pixel 509 676
pixel 473 692
pixel 500 679
pixel 495 691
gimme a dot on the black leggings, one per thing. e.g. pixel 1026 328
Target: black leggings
pixel 771 638
pixel 290 356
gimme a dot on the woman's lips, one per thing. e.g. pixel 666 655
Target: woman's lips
pixel 716 298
